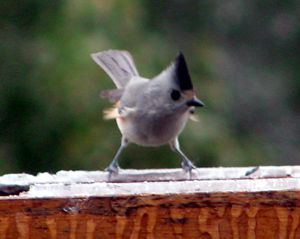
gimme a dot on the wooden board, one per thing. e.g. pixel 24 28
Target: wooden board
pixel 220 203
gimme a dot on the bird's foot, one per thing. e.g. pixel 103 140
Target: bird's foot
pixel 113 169
pixel 187 166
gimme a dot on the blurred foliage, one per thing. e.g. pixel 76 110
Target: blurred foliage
pixel 244 59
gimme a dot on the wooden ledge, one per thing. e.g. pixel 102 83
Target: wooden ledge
pixel 159 181
pixel 212 203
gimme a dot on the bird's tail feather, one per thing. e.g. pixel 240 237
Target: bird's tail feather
pixel 119 65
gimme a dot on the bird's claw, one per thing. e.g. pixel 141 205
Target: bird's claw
pixel 188 166
pixel 112 169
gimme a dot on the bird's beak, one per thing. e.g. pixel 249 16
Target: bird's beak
pixel 195 102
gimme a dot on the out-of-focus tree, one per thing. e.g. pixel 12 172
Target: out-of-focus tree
pixel 243 58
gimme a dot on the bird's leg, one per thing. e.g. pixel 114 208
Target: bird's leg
pixel 186 164
pixel 114 165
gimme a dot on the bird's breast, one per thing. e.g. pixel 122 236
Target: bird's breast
pixel 152 129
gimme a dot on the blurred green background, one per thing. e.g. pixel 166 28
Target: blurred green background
pixel 244 59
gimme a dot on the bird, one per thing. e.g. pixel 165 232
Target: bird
pixel 148 112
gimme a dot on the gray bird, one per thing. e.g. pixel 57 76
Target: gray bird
pixel 148 112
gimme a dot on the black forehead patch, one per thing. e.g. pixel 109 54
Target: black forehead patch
pixel 182 75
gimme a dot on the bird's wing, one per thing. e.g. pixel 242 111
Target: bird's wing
pixel 117 111
pixel 113 95
pixel 119 65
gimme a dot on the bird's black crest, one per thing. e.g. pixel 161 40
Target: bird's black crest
pixel 182 75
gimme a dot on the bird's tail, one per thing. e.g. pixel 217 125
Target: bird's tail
pixel 119 65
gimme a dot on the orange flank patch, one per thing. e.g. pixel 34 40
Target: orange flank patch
pixel 113 112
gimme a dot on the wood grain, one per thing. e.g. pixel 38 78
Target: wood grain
pixel 256 207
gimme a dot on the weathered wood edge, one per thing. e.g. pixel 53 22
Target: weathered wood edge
pixel 122 205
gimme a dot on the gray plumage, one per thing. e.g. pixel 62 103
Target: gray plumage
pixel 119 65
pixel 148 112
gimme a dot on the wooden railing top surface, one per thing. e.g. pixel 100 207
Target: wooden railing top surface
pixel 150 182
pixel 167 203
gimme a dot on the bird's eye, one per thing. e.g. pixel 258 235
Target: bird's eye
pixel 175 95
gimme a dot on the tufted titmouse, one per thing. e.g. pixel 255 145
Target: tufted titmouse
pixel 148 112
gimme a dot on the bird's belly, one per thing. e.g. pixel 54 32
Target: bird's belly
pixel 153 132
